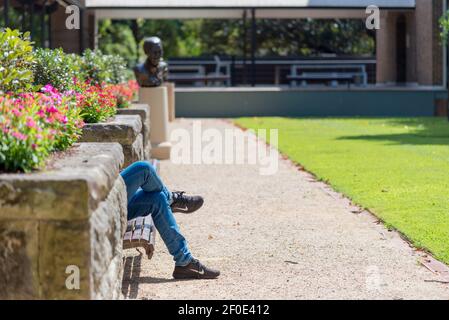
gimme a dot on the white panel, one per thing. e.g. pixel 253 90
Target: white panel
pixel 311 13
pixel 249 3
pixel 168 14
pixel 228 14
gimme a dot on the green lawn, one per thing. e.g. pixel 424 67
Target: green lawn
pixel 396 167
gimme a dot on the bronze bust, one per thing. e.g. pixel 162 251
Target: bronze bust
pixel 153 72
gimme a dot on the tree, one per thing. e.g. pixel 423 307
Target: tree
pixel 116 38
pixel 275 37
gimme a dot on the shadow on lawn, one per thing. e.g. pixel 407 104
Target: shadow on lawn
pixel 423 131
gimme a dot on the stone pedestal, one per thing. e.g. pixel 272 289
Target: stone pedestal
pixel 143 111
pixel 124 129
pixel 61 229
pixel 171 100
pixel 157 99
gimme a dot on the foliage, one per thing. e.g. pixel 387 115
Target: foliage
pixel 77 64
pixel 396 167
pixel 72 89
pixel 308 37
pixel 97 102
pixel 100 68
pixel 34 124
pixel 275 37
pixel 67 118
pixel 117 69
pixel 94 64
pixel 113 36
pixel 444 27
pixel 16 21
pixel 125 92
pixel 16 61
pixel 56 68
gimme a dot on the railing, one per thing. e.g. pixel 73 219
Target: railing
pixel 269 71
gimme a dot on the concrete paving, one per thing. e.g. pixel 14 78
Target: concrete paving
pixel 282 236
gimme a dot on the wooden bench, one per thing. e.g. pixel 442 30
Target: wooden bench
pixel 328 72
pixel 198 78
pixel 343 77
pixel 140 233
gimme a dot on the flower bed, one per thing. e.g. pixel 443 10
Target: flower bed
pixel 33 125
pixel 48 96
pixel 72 213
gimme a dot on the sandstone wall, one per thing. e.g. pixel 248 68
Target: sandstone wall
pixel 72 215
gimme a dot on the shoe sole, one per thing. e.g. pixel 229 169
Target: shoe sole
pixel 186 212
pixel 195 277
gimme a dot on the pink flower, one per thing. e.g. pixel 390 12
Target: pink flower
pixel 30 123
pixel 19 136
pixel 16 112
pixel 41 113
pixel 48 88
pixel 52 109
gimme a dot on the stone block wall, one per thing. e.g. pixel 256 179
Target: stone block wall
pixel 63 227
pixel 124 129
pixel 143 111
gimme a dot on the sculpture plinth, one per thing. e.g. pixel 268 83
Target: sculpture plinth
pixel 157 99
pixel 171 100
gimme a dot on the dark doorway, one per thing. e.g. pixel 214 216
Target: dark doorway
pixel 401 49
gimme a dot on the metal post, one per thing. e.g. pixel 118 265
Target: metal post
pixel 44 4
pixel 447 74
pixel 253 47
pixel 447 65
pixel 232 70
pixel 32 19
pixel 23 17
pixel 49 26
pixel 245 47
pixel 81 31
pixel 6 12
pixel 135 31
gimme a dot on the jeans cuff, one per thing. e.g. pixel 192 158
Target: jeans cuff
pixel 169 195
pixel 185 261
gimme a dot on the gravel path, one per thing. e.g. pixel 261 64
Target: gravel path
pixel 283 236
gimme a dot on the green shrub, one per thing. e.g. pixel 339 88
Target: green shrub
pixel 444 27
pixel 77 62
pixel 118 70
pixel 16 61
pixel 56 68
pixel 100 68
pixel 95 67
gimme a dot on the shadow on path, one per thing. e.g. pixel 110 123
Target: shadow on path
pixel 132 278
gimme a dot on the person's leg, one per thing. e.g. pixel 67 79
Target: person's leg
pixel 148 195
pixel 157 204
pixel 142 174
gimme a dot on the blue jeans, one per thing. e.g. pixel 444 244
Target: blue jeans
pixel 147 194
